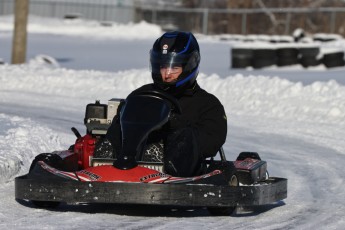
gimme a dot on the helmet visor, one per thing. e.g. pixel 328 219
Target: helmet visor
pixel 173 62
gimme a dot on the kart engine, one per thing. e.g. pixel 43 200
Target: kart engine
pixel 98 118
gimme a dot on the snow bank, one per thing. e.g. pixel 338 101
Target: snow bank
pixel 21 140
pixel 46 80
pixel 261 96
pixel 85 28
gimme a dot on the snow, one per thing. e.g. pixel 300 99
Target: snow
pixel 82 28
pixel 294 118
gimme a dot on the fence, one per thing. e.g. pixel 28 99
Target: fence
pixel 248 21
pixel 94 10
pixel 201 20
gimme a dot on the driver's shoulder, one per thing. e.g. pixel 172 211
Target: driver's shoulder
pixel 144 88
pixel 206 96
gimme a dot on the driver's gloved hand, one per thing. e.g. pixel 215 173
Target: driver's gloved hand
pixel 177 121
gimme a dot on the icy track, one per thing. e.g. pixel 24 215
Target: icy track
pixel 298 128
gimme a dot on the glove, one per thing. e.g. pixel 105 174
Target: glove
pixel 177 121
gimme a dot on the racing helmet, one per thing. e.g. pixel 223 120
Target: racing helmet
pixel 175 49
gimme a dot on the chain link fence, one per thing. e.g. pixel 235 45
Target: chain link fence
pixel 247 21
pixel 282 21
pixel 115 11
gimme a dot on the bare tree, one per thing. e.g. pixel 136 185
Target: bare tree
pixel 20 33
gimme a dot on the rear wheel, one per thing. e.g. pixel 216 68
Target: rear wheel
pixel 225 211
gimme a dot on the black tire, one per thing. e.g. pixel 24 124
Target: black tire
pixel 241 52
pixel 264 53
pixel 309 61
pixel 323 39
pixel 264 58
pixel 333 59
pixel 287 56
pixel 287 53
pixel 225 211
pixel 309 51
pixel 241 62
pixel 287 61
pixel 334 63
pixel 333 56
pixel 241 57
pixel 51 159
pixel 261 63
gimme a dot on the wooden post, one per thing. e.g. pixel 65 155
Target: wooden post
pixel 20 34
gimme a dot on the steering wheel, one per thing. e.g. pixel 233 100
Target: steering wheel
pixel 163 95
pixel 133 136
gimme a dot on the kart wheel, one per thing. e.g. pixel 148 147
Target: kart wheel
pixel 225 211
pixel 49 158
pixel 45 204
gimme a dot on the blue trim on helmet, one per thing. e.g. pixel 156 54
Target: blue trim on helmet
pixel 187 46
pixel 179 83
pixel 170 35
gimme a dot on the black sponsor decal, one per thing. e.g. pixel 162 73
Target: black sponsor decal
pixel 91 175
pixel 153 176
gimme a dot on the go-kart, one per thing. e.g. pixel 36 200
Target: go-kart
pixel 76 176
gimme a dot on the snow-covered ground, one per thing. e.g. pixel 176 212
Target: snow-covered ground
pixel 295 119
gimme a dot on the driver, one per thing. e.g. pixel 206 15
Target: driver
pixel 200 130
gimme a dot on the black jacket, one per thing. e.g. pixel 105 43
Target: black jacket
pixel 201 111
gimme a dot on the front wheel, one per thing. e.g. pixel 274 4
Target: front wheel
pixel 50 159
pixel 225 211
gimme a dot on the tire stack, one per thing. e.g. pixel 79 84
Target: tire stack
pixel 260 51
pixel 320 37
pixel 264 57
pixel 241 57
pixel 308 56
pixel 287 56
pixel 335 59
